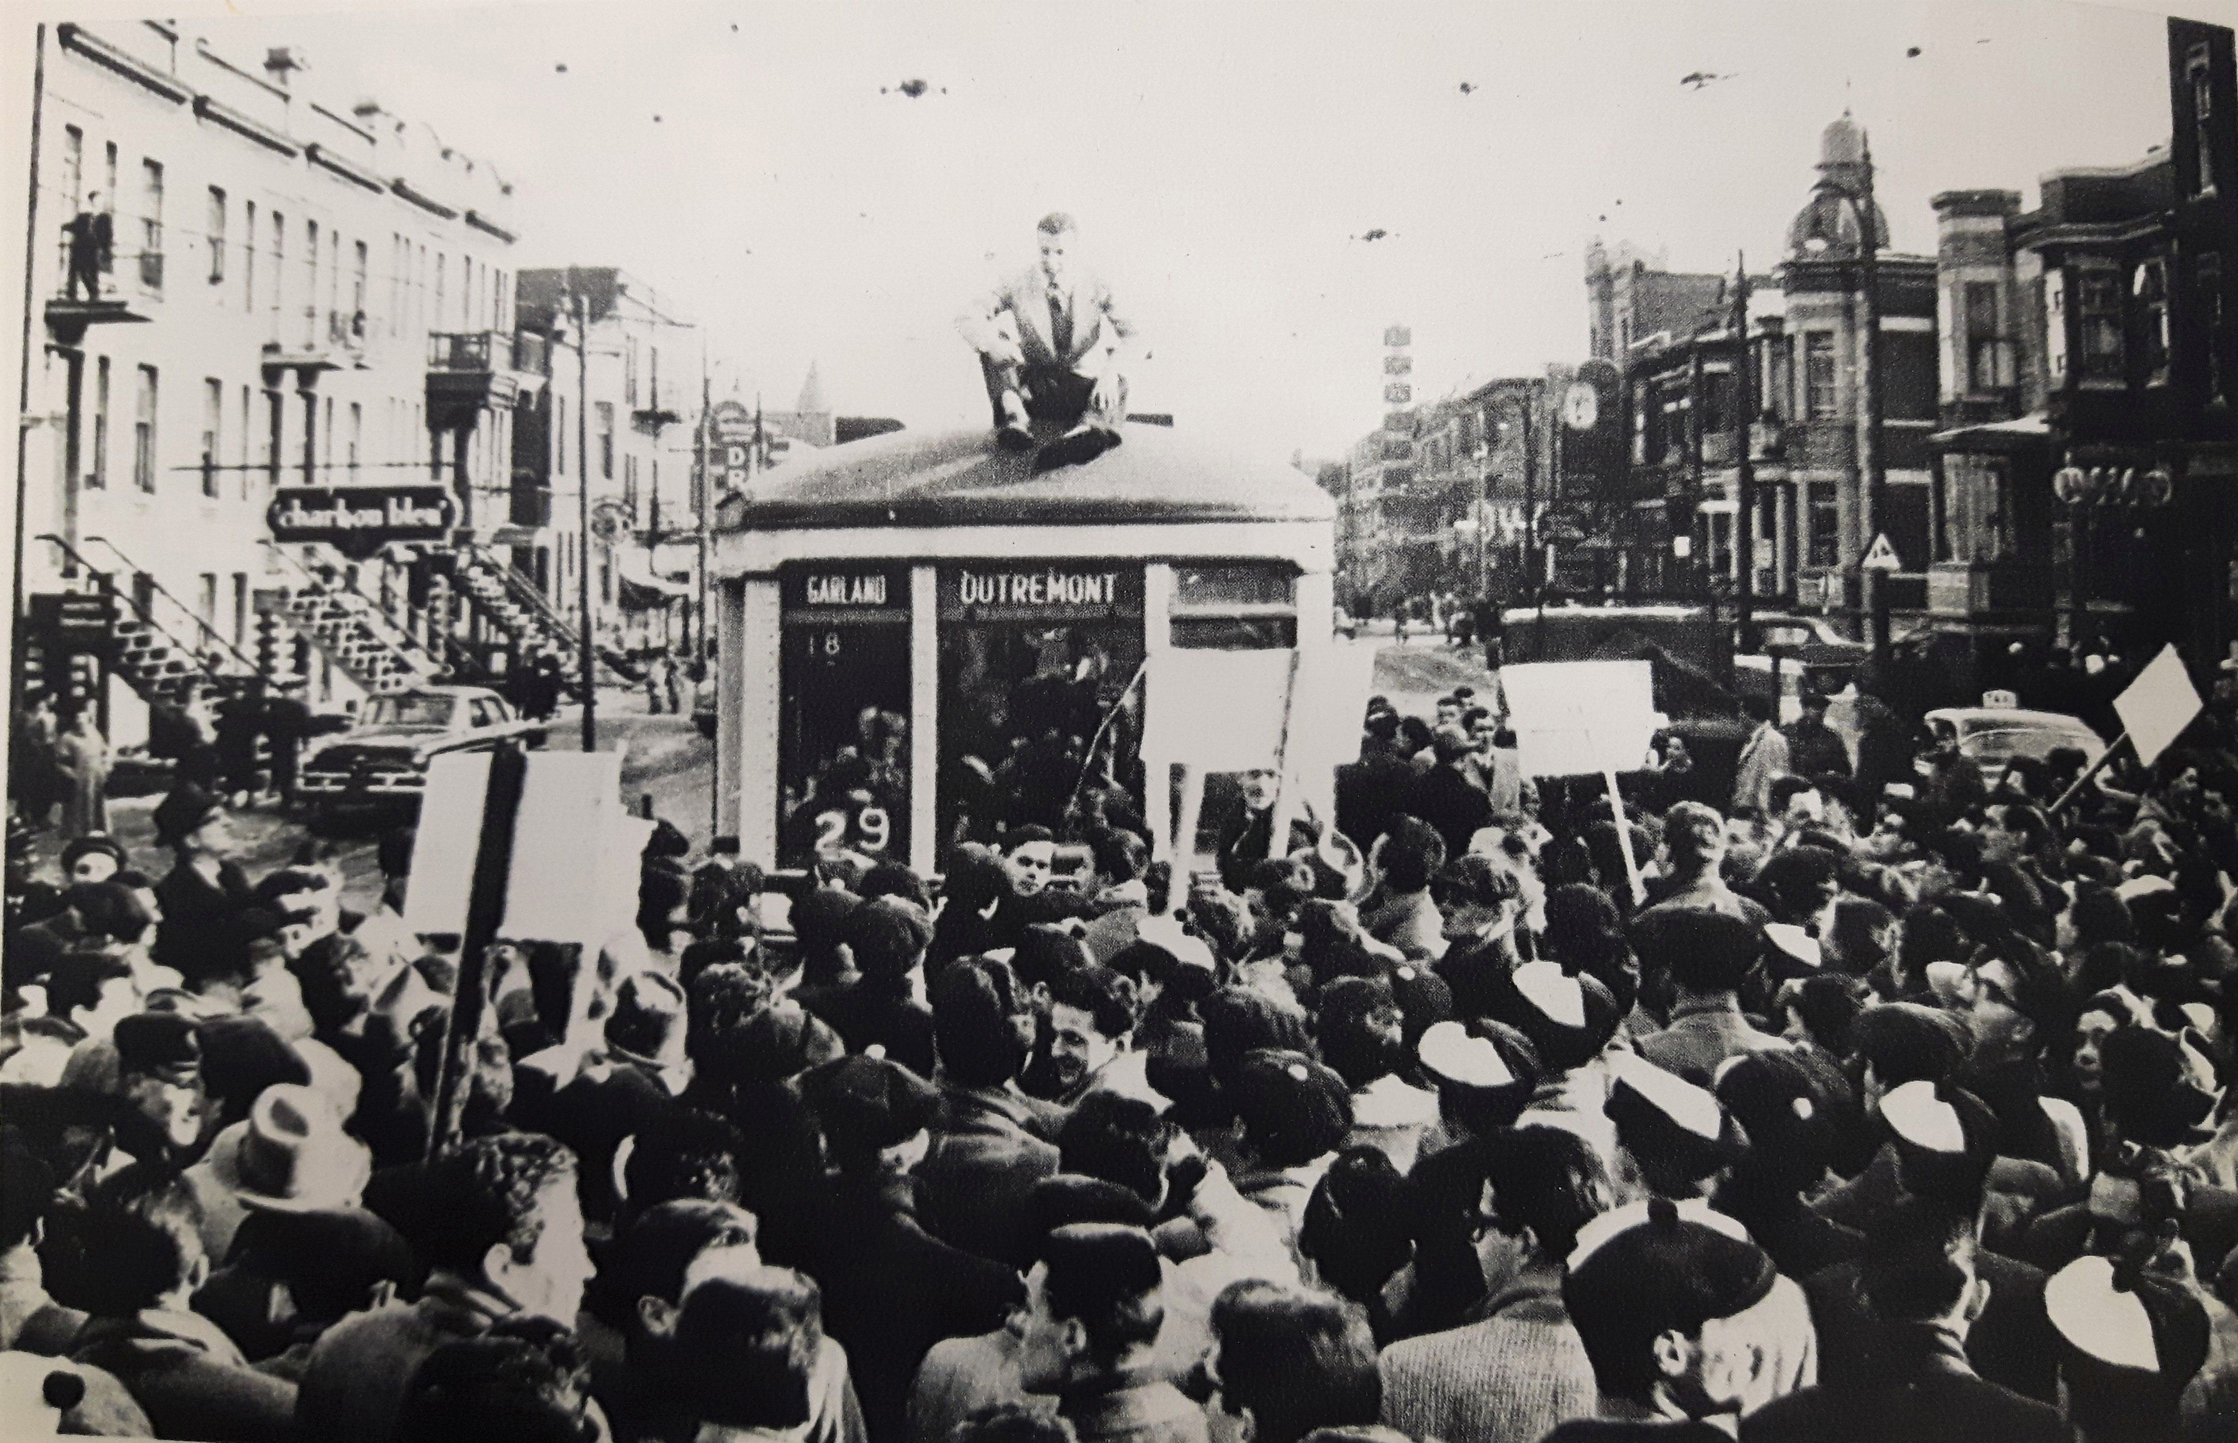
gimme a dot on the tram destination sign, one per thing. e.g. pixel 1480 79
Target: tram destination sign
pixel 359 520
pixel 1041 591
pixel 840 594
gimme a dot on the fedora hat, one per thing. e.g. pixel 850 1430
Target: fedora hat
pixel 291 1154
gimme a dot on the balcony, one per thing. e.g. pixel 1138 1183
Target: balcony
pixel 469 371
pixel 76 305
pixel 308 348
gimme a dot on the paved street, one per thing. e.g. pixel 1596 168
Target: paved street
pixel 666 758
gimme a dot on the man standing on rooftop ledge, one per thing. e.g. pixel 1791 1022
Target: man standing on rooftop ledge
pixel 1049 342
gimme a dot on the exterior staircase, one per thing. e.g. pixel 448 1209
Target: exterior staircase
pixel 511 602
pixel 158 645
pixel 349 629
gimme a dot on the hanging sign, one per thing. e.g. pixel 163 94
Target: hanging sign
pixel 359 520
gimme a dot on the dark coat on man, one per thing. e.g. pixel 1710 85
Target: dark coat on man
pixel 199 933
pixel 1453 805
pixel 892 1290
pixel 1919 1391
pixel 989 1147
pixel 2011 1344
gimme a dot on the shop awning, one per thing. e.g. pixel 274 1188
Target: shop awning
pixel 642 588
pixel 2022 431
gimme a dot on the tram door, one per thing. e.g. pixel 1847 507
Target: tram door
pixel 1035 706
pixel 843 717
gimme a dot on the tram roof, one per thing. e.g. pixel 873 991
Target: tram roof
pixel 962 478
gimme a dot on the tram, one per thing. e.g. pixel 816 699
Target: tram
pixel 922 643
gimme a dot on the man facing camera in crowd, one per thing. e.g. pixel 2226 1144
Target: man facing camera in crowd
pixel 1094 1308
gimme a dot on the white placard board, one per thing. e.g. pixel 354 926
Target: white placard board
pixel 565 842
pixel 2158 705
pixel 1217 711
pixel 1577 718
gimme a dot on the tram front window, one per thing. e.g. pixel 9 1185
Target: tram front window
pixel 843 742
pixel 1040 703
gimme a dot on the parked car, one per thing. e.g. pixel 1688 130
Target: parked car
pixel 382 760
pixel 1993 735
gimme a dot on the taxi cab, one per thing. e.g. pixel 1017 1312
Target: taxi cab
pixel 2000 729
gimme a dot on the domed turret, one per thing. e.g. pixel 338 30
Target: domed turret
pixel 1827 224
pixel 1841 143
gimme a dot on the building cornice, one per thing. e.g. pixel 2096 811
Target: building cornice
pixel 101 52
pixel 343 166
pixel 428 203
pixel 240 124
pixel 487 226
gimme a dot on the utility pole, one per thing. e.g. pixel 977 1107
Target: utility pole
pixel 1744 475
pixel 1871 458
pixel 589 657
pixel 16 618
pixel 700 497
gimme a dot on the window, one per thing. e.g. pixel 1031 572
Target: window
pixel 151 225
pixel 213 427
pixel 2202 119
pixel 559 435
pixel 629 371
pixel 248 424
pixel 335 325
pixel 358 295
pixel 1973 510
pixel 109 178
pixel 279 268
pixel 268 436
pixel 206 599
pixel 2208 268
pixel 248 255
pixel 442 290
pixel 240 608
pixel 73 167
pixel 143 432
pixel 2055 325
pixel 1824 538
pixel 2099 297
pixel 326 442
pixel 1984 338
pixel 98 477
pixel 311 294
pixel 2150 286
pixel 629 487
pixel 606 439
pixel 1818 375
pixel 357 434
pixel 396 279
pixel 217 235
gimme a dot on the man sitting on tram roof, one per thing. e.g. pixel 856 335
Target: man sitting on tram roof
pixel 1049 341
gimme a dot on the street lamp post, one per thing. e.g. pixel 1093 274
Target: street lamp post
pixel 588 659
pixel 1871 459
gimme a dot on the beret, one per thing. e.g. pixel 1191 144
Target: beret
pixel 1654 1266
pixel 869 1102
pixel 1660 1116
pixel 189 807
pixel 2122 1318
pixel 158 1043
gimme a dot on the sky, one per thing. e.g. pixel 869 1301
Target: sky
pixel 1227 162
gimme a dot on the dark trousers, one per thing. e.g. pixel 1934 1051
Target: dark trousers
pixel 1052 394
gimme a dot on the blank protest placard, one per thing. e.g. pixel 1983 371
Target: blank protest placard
pixel 1578 718
pixel 2158 705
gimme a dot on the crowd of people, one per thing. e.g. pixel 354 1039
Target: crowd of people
pixel 1817 1110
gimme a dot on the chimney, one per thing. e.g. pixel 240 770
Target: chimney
pixel 282 61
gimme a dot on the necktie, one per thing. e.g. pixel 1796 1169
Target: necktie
pixel 1060 323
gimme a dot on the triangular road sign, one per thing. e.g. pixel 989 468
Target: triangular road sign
pixel 1882 556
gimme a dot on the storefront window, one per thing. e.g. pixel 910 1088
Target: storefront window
pixel 843 722
pixel 1825 535
pixel 1040 705
pixel 1975 526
